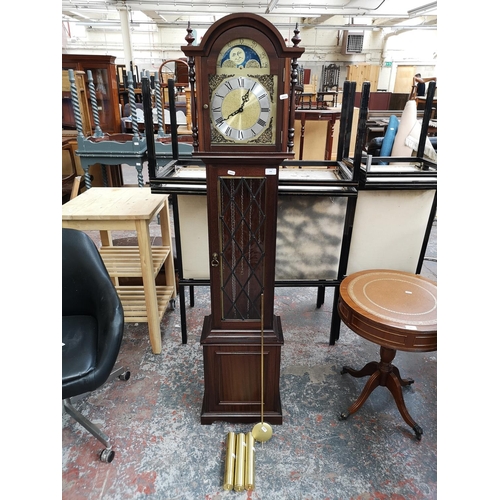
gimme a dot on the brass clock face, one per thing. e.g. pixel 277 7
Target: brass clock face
pixel 243 110
pixel 242 53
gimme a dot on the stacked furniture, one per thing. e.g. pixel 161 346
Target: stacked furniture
pixel 104 148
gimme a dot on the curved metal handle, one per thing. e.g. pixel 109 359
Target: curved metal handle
pixel 215 260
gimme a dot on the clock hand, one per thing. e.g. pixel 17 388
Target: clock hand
pixel 239 110
pixel 244 100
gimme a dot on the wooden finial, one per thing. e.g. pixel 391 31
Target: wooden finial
pixel 296 38
pixel 189 37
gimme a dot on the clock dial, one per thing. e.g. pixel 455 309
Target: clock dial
pixel 242 53
pixel 242 110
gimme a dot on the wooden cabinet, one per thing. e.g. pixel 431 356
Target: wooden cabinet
pixel 105 82
pixel 378 100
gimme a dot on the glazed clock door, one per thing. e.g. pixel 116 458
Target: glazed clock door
pixel 243 246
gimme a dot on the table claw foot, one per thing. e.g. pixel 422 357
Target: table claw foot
pixel 418 431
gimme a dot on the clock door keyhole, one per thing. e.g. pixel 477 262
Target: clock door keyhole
pixel 215 260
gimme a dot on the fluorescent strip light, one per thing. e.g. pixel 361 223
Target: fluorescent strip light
pixel 423 10
pixel 271 6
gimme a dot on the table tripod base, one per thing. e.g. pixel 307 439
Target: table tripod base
pixel 382 373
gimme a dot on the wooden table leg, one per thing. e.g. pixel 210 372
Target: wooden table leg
pixel 302 136
pixel 368 369
pixel 148 279
pixel 393 384
pixel 385 374
pixel 107 241
pixel 373 382
pixel 166 240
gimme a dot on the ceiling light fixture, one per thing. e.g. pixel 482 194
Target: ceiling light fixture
pixel 271 6
pixel 423 10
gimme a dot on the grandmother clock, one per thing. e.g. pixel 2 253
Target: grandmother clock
pixel 245 79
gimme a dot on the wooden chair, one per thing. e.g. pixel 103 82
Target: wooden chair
pixel 329 85
pixel 413 93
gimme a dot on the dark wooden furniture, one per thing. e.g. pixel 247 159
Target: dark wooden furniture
pixel 396 310
pixel 329 86
pixel 104 75
pixel 398 100
pixel 242 61
pixel 305 100
pixel 378 120
pixel 326 99
pixel 378 100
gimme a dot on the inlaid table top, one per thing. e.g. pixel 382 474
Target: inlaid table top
pixel 394 309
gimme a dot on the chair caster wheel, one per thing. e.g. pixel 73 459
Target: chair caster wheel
pixel 107 455
pixel 124 376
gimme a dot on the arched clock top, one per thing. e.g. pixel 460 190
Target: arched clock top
pixel 239 22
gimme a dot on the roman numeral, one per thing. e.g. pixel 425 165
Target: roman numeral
pixel 261 122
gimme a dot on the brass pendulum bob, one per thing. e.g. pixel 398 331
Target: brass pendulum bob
pixel 262 431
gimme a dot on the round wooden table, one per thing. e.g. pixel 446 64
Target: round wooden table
pixel 396 310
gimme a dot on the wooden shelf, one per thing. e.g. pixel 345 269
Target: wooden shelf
pixel 134 302
pixel 124 261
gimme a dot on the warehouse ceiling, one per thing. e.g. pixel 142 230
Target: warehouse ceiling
pixel 369 14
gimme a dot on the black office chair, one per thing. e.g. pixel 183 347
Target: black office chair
pixel 92 327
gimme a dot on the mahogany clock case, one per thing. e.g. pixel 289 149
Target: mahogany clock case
pixel 242 110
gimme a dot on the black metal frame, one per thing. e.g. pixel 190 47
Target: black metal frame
pixel 345 186
pixel 355 176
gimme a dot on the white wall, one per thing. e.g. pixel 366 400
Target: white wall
pixel 322 46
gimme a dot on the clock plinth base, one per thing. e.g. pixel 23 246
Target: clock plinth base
pixel 232 369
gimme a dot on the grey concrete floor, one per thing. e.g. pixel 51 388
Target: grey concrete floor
pixel 163 452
